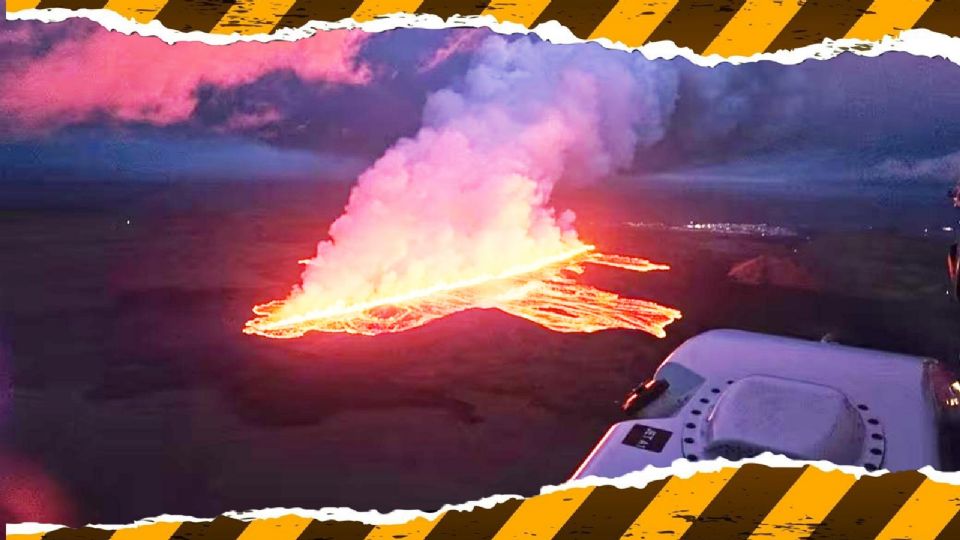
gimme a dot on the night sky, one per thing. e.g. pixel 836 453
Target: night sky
pixel 81 103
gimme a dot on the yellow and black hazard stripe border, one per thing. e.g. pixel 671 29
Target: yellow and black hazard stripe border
pixel 724 27
pixel 750 501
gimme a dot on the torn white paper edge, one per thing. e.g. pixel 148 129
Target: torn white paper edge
pixel 918 42
pixel 638 479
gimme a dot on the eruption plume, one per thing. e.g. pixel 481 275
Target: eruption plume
pixel 458 216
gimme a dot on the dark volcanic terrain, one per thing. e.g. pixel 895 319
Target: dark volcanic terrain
pixel 121 310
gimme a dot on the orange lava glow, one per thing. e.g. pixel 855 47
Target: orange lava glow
pixel 545 292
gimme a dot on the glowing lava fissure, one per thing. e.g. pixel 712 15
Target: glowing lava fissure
pixel 545 292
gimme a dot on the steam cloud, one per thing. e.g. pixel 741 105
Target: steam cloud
pixel 468 195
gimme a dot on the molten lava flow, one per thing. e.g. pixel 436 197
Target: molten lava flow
pixel 544 291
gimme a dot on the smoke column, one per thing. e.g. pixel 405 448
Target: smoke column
pixel 469 194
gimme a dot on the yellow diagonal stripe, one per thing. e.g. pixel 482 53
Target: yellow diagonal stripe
pixel 371 9
pixel 888 18
pixel 632 21
pixel 155 531
pixel 282 528
pixel 542 516
pixel 418 529
pixel 249 17
pixel 524 12
pixel 754 27
pixel 36 536
pixel 20 5
pixel 142 11
pixel 805 505
pixel 677 500
pixel 924 514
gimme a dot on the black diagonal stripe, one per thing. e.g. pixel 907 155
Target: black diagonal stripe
pixel 449 8
pixel 476 524
pixel 190 15
pixel 695 23
pixel 952 530
pixel 608 512
pixel 868 506
pixel 335 530
pixel 942 16
pixel 304 11
pixel 743 503
pixel 582 18
pixel 222 528
pixel 83 533
pixel 72 4
pixel 818 20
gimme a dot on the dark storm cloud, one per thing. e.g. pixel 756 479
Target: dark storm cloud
pixel 359 119
pixel 862 108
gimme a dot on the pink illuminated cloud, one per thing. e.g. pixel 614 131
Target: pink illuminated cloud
pixel 28 493
pixel 142 79
pixel 17 35
pixel 242 121
pixel 463 41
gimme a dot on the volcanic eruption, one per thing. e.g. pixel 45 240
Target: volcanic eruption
pixel 459 217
